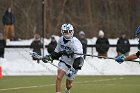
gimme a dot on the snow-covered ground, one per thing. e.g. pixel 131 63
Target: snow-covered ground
pixel 17 61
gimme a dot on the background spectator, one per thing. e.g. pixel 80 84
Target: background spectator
pixel 123 45
pixel 52 45
pixel 2 45
pixel 36 45
pixel 139 46
pixel 83 40
pixel 8 22
pixel 102 44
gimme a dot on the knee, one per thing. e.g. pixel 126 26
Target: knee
pixel 59 78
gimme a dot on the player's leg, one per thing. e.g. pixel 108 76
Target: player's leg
pixel 60 75
pixel 68 85
pixel 69 81
pixel 61 72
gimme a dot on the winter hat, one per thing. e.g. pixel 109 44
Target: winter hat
pixel 36 36
pixel 101 33
pixel 81 33
pixel 52 37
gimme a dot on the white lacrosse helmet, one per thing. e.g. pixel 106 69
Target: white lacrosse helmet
pixel 67 31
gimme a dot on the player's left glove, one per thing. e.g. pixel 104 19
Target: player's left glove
pixel 47 58
pixel 71 72
pixel 120 59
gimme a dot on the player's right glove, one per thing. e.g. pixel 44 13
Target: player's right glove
pixel 67 53
pixel 47 58
pixel 120 59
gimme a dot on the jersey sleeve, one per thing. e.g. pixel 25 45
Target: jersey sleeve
pixel 58 49
pixel 78 48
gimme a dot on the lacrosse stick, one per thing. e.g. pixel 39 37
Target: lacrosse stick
pixel 104 57
pixel 68 73
pixel 35 55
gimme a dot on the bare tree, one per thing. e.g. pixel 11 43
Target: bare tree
pixel 112 16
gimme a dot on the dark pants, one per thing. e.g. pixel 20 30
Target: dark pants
pixel 2 55
pixel 102 55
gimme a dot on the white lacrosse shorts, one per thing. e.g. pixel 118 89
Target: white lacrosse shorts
pixel 63 66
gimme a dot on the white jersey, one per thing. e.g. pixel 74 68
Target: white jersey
pixel 73 44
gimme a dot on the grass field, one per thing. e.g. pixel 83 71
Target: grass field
pixel 82 84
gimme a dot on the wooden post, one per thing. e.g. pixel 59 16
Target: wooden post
pixel 44 22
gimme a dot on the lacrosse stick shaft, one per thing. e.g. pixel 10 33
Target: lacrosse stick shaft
pixel 103 57
pixel 94 56
pixel 53 65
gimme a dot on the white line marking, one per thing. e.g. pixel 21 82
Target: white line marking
pixel 16 88
pixel 98 80
pixel 84 82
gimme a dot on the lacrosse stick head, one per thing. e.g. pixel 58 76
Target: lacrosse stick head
pixel 35 55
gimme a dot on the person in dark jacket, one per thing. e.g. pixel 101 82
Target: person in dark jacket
pixel 2 45
pixel 52 45
pixel 102 44
pixel 139 45
pixel 36 45
pixel 120 59
pixel 123 45
pixel 8 21
pixel 83 40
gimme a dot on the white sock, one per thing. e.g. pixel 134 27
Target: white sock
pixel 67 90
pixel 58 92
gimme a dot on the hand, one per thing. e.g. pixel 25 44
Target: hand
pixel 71 72
pixel 47 58
pixel 120 59
pixel 68 53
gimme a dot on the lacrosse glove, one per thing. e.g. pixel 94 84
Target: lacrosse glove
pixel 67 53
pixel 47 58
pixel 120 59
pixel 71 72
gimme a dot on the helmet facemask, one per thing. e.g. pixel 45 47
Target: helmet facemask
pixel 68 34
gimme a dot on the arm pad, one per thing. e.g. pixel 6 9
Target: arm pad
pixel 78 63
pixel 55 55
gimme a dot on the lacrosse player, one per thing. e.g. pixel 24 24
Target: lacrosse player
pixel 69 63
pixel 122 58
